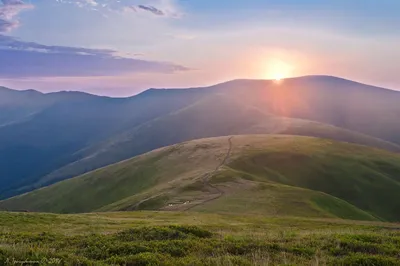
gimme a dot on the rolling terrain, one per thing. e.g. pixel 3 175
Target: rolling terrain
pixel 251 174
pixel 213 116
pixel 46 138
pixel 305 171
pixel 64 124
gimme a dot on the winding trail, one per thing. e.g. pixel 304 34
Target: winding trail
pixel 207 176
pixel 136 206
pixel 206 182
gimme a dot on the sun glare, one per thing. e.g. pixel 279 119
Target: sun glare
pixel 278 77
pixel 278 70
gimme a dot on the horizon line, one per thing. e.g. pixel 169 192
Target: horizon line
pixel 201 87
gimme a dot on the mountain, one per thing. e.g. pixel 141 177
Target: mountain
pixel 15 105
pixel 247 174
pixel 45 138
pixel 358 107
pixel 20 106
pixel 213 116
pixel 66 123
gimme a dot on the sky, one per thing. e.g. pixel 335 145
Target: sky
pixel 122 47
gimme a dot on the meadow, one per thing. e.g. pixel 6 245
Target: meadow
pixel 193 238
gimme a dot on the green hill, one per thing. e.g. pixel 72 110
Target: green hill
pixel 257 174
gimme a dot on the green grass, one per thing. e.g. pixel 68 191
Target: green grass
pixel 340 208
pixel 262 174
pixel 179 238
pixel 272 199
pixel 366 178
pixel 159 170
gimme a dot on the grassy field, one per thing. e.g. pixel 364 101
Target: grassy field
pixel 252 174
pixel 182 238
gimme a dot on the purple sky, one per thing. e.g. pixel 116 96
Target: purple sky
pixel 120 48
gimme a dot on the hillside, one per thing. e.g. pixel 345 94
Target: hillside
pixel 255 174
pixel 330 100
pixel 213 116
pixel 46 138
pixel 182 238
pixel 68 122
pixel 21 106
pixel 16 105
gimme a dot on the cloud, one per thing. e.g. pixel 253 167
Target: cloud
pixel 8 42
pixel 28 59
pixel 152 9
pixel 165 8
pixel 9 9
pixel 6 25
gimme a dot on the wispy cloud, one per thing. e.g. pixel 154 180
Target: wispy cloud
pixel 6 25
pixel 165 8
pixel 21 59
pixel 9 10
pixel 152 9
pixel 10 43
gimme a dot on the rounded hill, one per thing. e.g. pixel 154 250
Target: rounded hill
pixel 277 175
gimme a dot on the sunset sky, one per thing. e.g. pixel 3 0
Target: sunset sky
pixel 120 48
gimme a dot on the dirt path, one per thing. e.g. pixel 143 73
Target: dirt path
pixel 136 206
pixel 206 177
pixel 206 182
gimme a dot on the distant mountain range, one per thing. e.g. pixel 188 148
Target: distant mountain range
pixel 45 138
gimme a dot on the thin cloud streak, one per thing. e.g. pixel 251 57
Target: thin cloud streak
pixel 21 59
pixel 10 9
pixel 152 9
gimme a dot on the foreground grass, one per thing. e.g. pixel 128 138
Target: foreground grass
pixel 167 238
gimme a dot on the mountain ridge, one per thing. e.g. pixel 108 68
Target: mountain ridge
pixel 305 77
pixel 39 138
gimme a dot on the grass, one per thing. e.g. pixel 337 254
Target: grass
pixel 178 238
pixel 340 208
pixel 162 169
pixel 264 198
pixel 263 175
pixel 364 177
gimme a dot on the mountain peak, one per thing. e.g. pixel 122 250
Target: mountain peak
pixel 12 91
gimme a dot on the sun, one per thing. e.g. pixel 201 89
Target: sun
pixel 278 70
pixel 278 77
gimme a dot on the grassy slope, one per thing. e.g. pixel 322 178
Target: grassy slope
pixel 107 185
pixel 181 238
pixel 364 177
pixel 270 174
pixel 367 178
pixel 279 200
